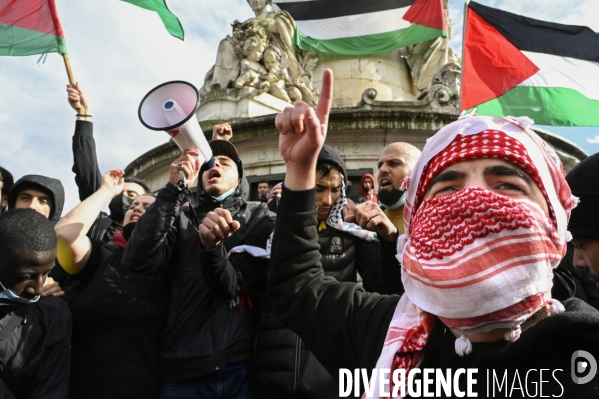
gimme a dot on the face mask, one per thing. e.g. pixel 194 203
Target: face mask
pixel 274 203
pixel 225 195
pixel 392 199
pixel 118 206
pixel 11 296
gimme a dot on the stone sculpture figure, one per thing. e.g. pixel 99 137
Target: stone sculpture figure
pixel 277 82
pixel 425 59
pixel 236 64
pixel 251 69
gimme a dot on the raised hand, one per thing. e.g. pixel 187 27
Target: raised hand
pixel 77 99
pixel 189 164
pixel 217 226
pixel 113 181
pixel 222 131
pixel 302 133
pixel 371 217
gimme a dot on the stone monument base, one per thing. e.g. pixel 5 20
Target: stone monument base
pixel 225 104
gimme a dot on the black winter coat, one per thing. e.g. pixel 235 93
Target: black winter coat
pixel 283 365
pixel 204 332
pixel 35 358
pixel 345 326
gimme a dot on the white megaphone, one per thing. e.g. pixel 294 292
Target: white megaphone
pixel 170 107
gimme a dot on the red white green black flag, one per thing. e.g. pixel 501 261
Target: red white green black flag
pixel 514 65
pixel 360 27
pixel 30 27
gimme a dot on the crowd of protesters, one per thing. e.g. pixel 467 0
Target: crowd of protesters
pixel 478 252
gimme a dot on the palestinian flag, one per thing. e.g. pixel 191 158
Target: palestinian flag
pixel 30 27
pixel 360 27
pixel 170 20
pixel 514 65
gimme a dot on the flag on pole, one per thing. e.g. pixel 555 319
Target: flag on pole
pixel 30 27
pixel 360 27
pixel 514 65
pixel 170 20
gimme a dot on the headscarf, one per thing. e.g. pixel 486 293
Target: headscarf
pixel 456 265
pixel 277 186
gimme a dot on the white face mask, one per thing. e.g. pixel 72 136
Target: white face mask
pixel 11 296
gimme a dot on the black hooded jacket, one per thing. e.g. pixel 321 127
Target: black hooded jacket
pixel 44 184
pixel 283 365
pixel 205 331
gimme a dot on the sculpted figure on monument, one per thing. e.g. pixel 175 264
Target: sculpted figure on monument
pixel 277 81
pixel 426 59
pixel 251 69
pixel 240 61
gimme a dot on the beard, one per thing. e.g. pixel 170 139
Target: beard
pixel 390 197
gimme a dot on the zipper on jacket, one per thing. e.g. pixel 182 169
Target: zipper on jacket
pixel 296 371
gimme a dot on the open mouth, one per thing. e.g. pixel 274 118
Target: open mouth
pixel 213 173
pixel 135 218
pixel 385 182
pixel 323 211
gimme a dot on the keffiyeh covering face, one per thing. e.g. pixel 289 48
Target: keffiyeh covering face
pixel 476 259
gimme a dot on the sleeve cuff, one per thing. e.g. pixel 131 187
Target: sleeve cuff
pixel 171 193
pixel 297 201
pixel 84 128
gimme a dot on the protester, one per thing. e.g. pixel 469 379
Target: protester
pixel 208 340
pixel 40 193
pixel 496 302
pixel 6 183
pixel 584 222
pixel 119 312
pixel 36 331
pixel 367 189
pixel 273 197
pixel 395 163
pixel 283 365
pixel 87 172
pixel 263 190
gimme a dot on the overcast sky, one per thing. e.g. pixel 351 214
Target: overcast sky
pixel 119 52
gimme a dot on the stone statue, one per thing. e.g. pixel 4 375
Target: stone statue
pixel 251 69
pixel 240 59
pixel 426 59
pixel 277 81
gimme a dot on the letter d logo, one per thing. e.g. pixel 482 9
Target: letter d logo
pixel 588 365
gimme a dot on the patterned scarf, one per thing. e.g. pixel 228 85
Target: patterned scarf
pixel 335 219
pixel 475 259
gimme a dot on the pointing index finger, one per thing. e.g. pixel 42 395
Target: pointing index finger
pixel 326 97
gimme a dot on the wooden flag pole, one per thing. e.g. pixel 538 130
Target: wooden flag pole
pixel 67 65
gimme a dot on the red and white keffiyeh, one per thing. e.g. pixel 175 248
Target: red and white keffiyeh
pixel 475 259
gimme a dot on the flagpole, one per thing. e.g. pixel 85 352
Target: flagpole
pixel 463 45
pixel 67 65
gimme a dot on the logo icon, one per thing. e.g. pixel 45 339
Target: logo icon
pixel 579 367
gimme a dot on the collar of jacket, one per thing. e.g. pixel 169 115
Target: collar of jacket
pixel 232 203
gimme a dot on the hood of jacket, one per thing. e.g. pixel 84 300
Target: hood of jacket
pixel 329 155
pixel 41 183
pixel 366 176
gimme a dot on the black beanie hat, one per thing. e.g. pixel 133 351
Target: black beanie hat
pixel 584 183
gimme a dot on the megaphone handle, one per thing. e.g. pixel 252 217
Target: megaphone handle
pixel 182 181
